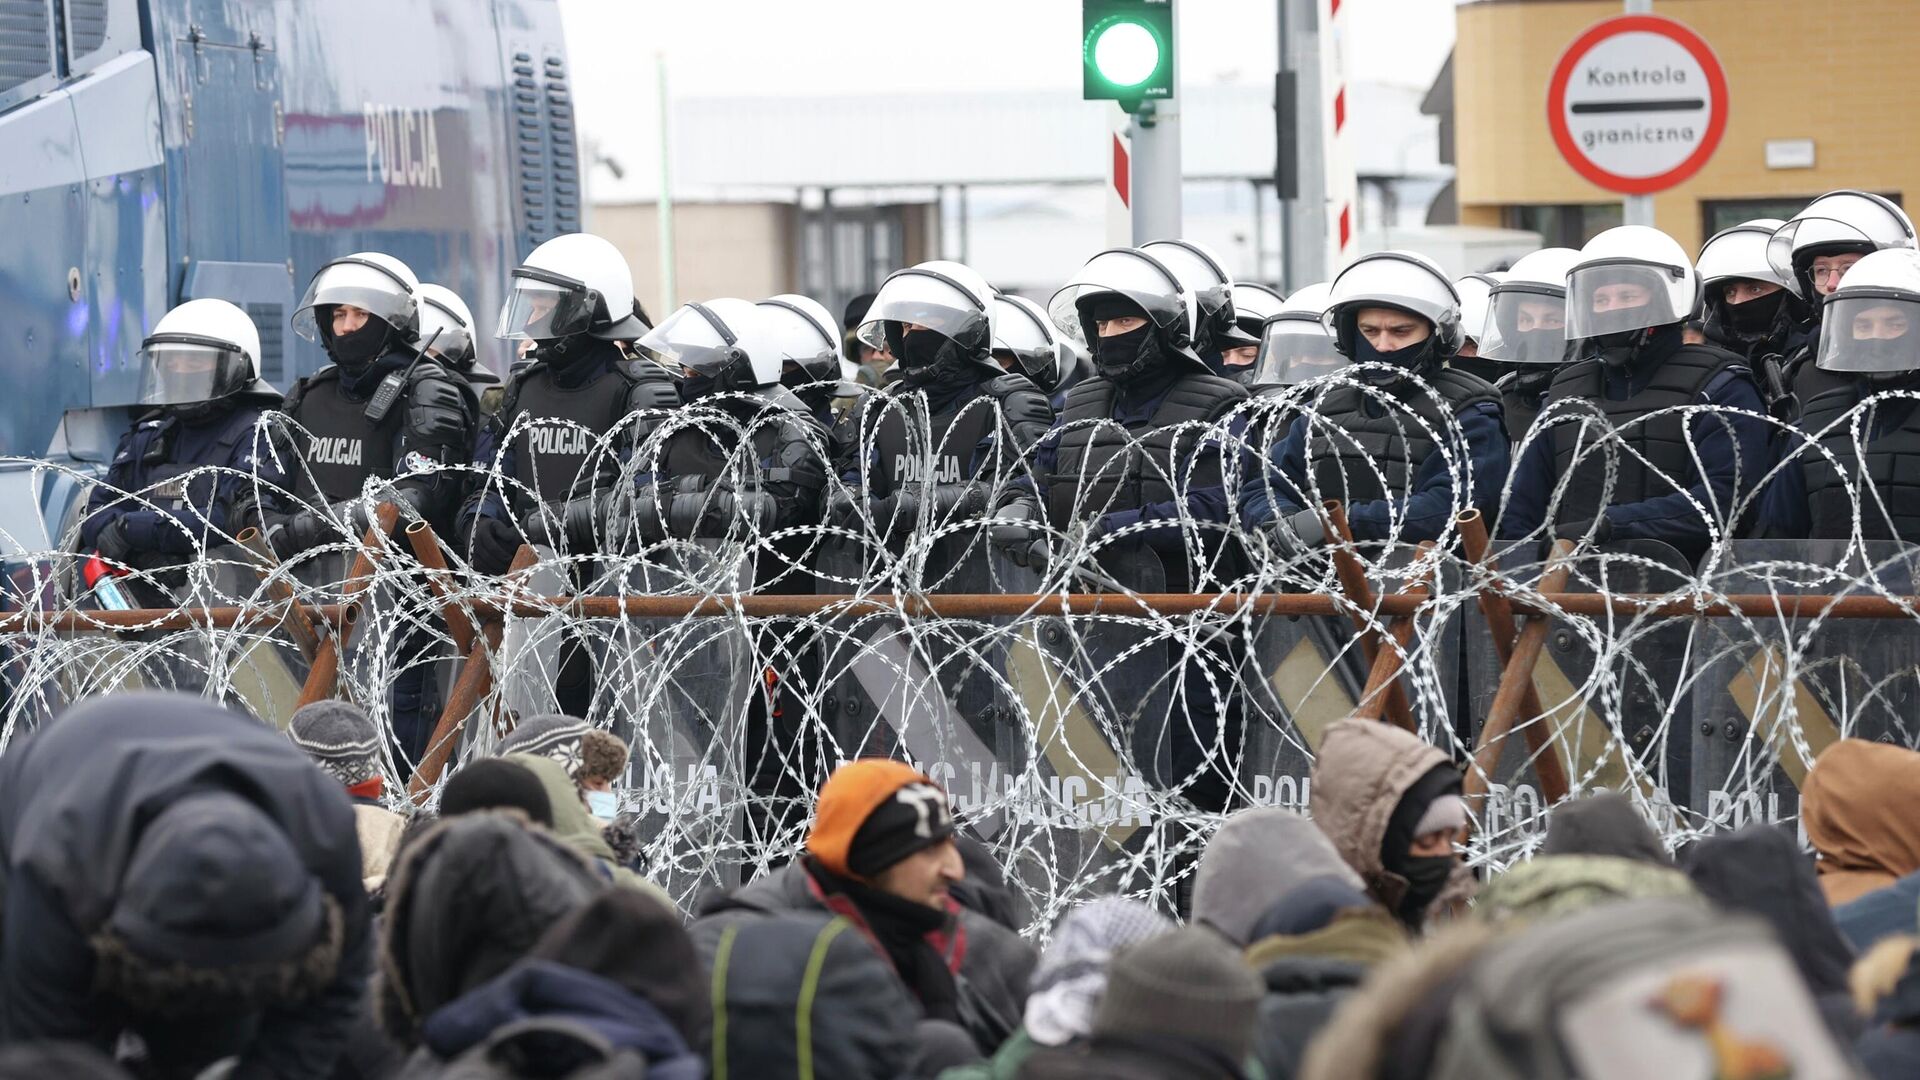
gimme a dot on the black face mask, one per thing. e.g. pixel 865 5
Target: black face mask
pixel 360 348
pixel 1426 877
pixel 927 358
pixel 1545 347
pixel 695 387
pixel 1753 320
pixel 1134 355
pixel 1413 358
pixel 1479 366
pixel 1892 359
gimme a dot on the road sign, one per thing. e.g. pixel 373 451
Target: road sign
pixel 1126 51
pixel 1637 104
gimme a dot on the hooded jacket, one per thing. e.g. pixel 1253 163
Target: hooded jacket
pixel 1363 769
pixel 991 964
pixel 1760 870
pixel 74 799
pixel 1861 809
pixel 1255 858
pixel 575 825
pixel 1389 1027
pixel 465 902
pixel 1308 975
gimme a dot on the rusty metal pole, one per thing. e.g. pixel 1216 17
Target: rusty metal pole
pixel 293 617
pixel 470 687
pixel 1365 612
pixel 1499 615
pixel 325 671
pixel 1515 680
pixel 426 549
pixel 1383 677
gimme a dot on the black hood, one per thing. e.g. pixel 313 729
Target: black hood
pixel 1604 824
pixel 1761 870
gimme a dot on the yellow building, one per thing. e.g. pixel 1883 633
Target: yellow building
pixel 1844 75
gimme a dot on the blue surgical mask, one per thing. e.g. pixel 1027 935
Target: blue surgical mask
pixel 603 804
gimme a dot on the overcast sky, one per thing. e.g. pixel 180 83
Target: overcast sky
pixel 748 48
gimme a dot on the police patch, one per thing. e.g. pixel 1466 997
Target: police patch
pixel 417 462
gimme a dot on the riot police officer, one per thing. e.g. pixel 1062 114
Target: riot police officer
pixel 1476 291
pixel 375 412
pixel 1751 308
pixel 380 412
pixel 1525 336
pixel 567 419
pixel 1616 404
pixel 1814 249
pixel 200 381
pixel 1205 277
pixel 811 363
pixel 1026 341
pixel 446 331
pixel 1294 344
pixel 1253 305
pixel 1842 464
pixel 1391 455
pixel 938 319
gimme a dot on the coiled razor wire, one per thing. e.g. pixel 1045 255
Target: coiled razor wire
pixel 1090 751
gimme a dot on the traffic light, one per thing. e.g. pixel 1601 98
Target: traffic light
pixel 1126 50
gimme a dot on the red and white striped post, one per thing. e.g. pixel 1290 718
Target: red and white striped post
pixel 1342 186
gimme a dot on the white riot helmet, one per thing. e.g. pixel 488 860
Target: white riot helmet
pixel 1526 319
pixel 1206 277
pixel 948 298
pixel 446 326
pixel 202 350
pixel 1630 277
pixel 1474 290
pixel 573 284
pixel 1837 223
pixel 376 283
pixel 1405 280
pixel 1738 255
pixel 803 332
pixel 1295 345
pixel 1133 277
pixel 1870 325
pixel 725 340
pixel 1253 305
pixel 1031 341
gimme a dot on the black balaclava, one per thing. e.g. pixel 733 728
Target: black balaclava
pixel 934 362
pixel 1897 357
pixel 1135 356
pixel 1427 875
pixel 815 393
pixel 1628 350
pixel 353 352
pixel 1481 367
pixel 198 413
pixel 577 359
pixel 1414 359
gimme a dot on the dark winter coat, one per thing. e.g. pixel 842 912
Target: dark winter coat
pixel 1760 870
pixel 465 902
pixel 1127 1059
pixel 991 964
pixel 1880 913
pixel 1307 976
pixel 1890 1049
pixel 74 799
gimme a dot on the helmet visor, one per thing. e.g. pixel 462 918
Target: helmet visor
pixel 543 307
pixel 1293 351
pixel 180 369
pixel 1135 275
pixel 1525 325
pixel 359 283
pixel 694 338
pixel 916 297
pixel 443 327
pixel 1611 297
pixel 1872 333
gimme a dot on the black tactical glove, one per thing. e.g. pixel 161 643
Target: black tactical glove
pixel 1014 530
pixel 647 519
pixel 493 545
pixel 113 542
pixel 1587 531
pixel 960 501
pixel 1298 533
pixel 298 533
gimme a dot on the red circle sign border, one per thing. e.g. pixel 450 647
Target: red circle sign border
pixel 1563 74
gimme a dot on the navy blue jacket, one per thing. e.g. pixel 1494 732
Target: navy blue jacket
pixel 178 528
pixel 1784 513
pixel 1423 513
pixel 1728 447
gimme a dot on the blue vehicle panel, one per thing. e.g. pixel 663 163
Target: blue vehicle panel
pixel 155 151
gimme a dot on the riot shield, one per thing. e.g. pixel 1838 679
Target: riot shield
pixel 1308 671
pixel 1613 690
pixel 1770 694
pixel 677 690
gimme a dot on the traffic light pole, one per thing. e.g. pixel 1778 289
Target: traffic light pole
pixel 1155 133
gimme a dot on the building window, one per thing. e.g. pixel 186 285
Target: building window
pixel 1565 225
pixel 1718 215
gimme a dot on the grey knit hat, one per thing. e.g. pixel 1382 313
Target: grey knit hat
pixel 340 738
pixel 552 736
pixel 1186 984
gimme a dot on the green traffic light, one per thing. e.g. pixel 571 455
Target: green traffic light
pixel 1125 53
